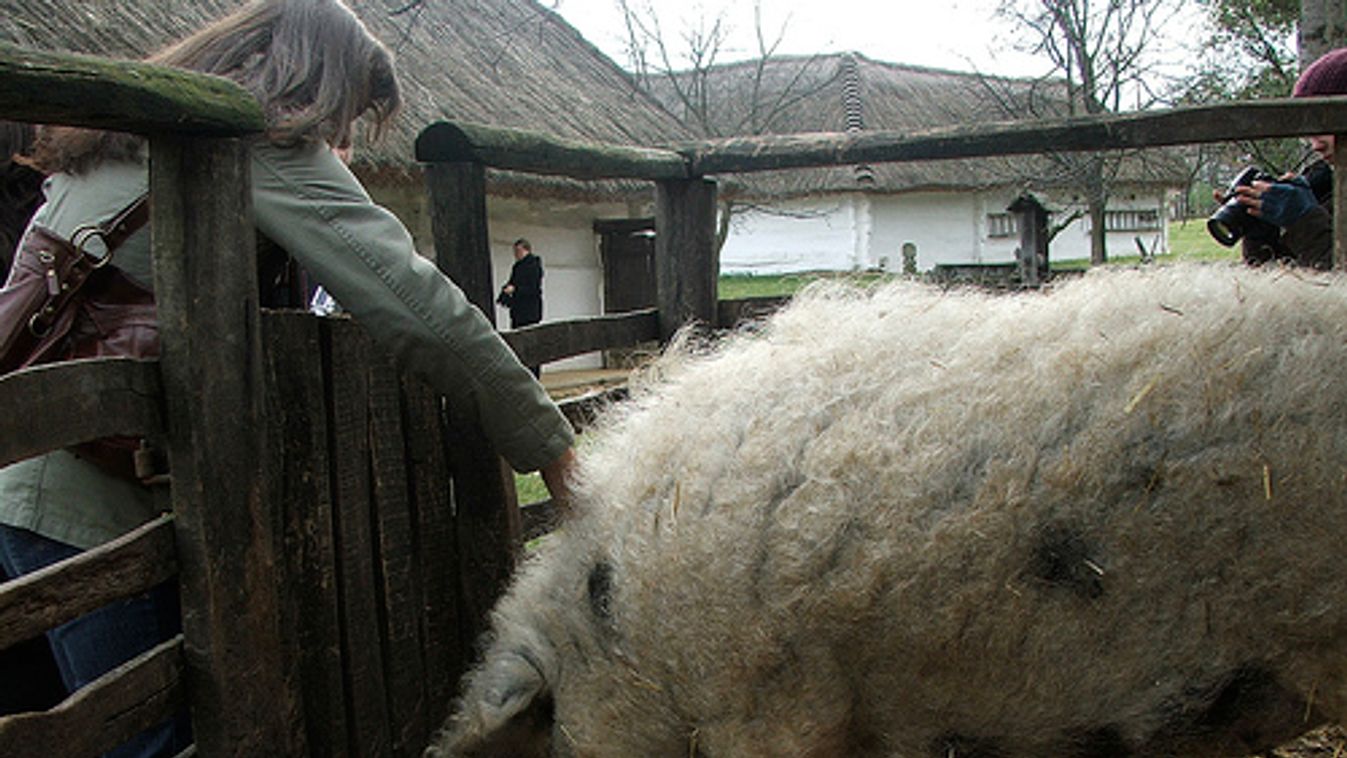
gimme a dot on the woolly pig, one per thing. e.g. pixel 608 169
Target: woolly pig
pixel 1103 521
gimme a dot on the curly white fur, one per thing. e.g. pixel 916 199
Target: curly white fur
pixel 1100 521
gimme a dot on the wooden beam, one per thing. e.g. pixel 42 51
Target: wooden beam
pixel 1177 126
pixel 77 402
pixel 127 566
pixel 687 260
pixel 122 703
pixel 244 698
pixel 80 90
pixel 534 152
pixel 543 343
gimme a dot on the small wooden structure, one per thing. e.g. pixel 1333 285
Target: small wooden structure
pixel 1031 257
pixel 337 542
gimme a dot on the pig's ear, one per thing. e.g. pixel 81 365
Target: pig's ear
pixel 507 710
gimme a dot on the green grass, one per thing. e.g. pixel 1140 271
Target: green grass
pixel 1188 241
pixel 738 286
pixel 530 488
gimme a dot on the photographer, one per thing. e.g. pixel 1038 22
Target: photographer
pixel 1298 209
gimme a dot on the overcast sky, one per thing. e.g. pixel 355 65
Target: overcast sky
pixel 962 35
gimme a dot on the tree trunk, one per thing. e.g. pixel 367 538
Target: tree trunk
pixel 1323 27
pixel 1096 204
pixel 1098 248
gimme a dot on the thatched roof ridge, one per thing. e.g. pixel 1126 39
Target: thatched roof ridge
pixel 510 63
pixel 842 91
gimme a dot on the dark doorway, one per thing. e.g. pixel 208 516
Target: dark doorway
pixel 627 247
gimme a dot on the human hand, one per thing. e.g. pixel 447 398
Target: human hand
pixel 557 475
pixel 1281 203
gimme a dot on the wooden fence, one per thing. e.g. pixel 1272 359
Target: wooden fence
pixel 336 541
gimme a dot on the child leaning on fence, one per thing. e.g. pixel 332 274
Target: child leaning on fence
pixel 315 69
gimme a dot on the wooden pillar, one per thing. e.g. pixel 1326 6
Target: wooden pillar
pixel 458 221
pixel 1340 203
pixel 243 695
pixel 687 261
pixel 487 520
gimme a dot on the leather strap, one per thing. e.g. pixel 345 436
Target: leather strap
pixel 132 217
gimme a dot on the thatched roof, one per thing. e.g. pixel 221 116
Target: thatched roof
pixel 508 63
pixel 847 91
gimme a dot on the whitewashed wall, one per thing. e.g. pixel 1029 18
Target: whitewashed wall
pixel 862 231
pixel 799 235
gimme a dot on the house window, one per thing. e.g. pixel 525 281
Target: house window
pixel 1002 225
pixel 1132 221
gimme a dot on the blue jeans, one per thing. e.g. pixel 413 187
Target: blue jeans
pixel 98 642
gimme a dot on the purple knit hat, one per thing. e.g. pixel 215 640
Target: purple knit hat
pixel 1326 76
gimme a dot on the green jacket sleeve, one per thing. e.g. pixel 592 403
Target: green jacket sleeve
pixel 307 201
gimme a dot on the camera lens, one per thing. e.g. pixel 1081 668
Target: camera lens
pixel 1222 232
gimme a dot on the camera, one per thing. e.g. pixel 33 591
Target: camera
pixel 1232 221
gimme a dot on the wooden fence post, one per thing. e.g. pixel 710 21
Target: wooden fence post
pixel 458 220
pixel 243 694
pixel 687 261
pixel 488 522
pixel 1340 204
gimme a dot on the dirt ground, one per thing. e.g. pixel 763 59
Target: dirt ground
pixel 1329 742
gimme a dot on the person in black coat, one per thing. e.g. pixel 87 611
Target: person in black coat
pixel 523 293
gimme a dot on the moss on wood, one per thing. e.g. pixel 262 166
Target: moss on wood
pixel 80 90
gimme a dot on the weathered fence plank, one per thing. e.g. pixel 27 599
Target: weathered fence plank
pixel 244 695
pixel 127 700
pixel 366 685
pixel 77 401
pixel 686 257
pixel 78 90
pixel 544 154
pixel 444 651
pixel 399 590
pixel 542 343
pixel 300 485
pixel 127 566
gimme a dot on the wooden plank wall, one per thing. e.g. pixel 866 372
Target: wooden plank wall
pixel 359 471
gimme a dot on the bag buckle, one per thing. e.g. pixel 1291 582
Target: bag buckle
pixel 83 235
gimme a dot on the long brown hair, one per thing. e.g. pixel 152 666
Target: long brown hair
pixel 312 65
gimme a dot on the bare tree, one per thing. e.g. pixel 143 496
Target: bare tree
pixel 1101 54
pixel 678 66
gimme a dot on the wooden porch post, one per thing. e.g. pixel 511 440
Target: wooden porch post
pixel 243 694
pixel 687 261
pixel 489 525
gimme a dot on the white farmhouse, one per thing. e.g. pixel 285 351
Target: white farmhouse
pixel 915 215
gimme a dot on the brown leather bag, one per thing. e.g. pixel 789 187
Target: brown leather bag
pixel 61 302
